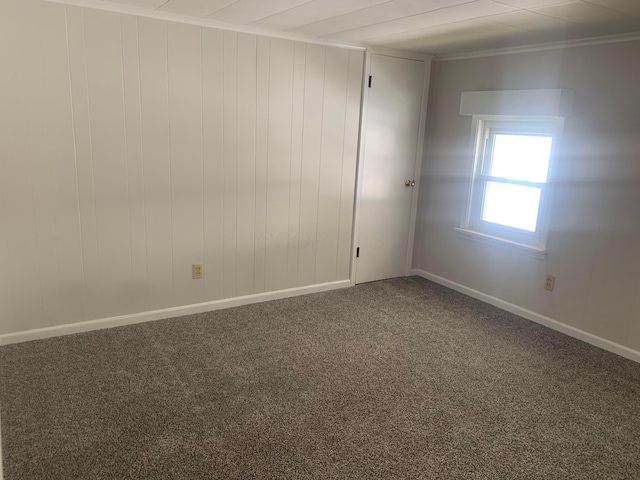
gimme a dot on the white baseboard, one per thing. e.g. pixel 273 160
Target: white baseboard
pixel 149 316
pixel 535 317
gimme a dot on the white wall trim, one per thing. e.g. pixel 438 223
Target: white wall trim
pixel 518 103
pixel 392 52
pixel 417 172
pixel 150 316
pixel 362 134
pixel 599 342
pixel 467 234
pixel 540 47
pixel 206 22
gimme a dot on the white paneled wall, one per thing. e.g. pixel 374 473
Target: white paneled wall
pixel 132 148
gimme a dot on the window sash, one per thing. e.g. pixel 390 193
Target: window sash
pixel 524 183
pixel 481 225
pixel 489 139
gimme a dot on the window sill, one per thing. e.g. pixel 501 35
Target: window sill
pixel 501 242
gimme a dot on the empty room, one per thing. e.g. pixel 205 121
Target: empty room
pixel 319 239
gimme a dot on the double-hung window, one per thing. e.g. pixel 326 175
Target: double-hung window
pixel 509 187
pixel 515 137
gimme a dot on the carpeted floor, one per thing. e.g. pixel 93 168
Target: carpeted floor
pixel 399 379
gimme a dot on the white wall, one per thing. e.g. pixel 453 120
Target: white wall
pixel 594 242
pixel 132 148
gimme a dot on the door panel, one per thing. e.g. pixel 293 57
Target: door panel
pixel 391 141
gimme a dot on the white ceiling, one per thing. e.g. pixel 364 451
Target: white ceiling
pixel 432 26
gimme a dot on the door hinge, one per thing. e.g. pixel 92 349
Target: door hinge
pixel 358 252
pixel 370 77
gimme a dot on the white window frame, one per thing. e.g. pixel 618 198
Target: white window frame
pixel 472 226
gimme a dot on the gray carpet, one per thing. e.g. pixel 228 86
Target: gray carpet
pixel 392 380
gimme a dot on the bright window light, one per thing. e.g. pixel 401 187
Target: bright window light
pixel 515 164
pixel 521 157
pixel 510 205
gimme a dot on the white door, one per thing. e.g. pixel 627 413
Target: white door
pixel 390 146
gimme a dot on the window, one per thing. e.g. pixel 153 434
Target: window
pixel 509 183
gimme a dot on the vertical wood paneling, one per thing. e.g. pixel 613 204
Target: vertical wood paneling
pixel 310 170
pixel 41 168
pixel 84 160
pixel 133 148
pixel 349 157
pixel 21 306
pixel 7 84
pixel 246 166
pixel 59 124
pixel 279 162
pixel 6 300
pixel 262 143
pixel 333 124
pixel 296 164
pixel 212 117
pixel 135 167
pixel 185 116
pixel 152 44
pixel 230 153
pixel 106 110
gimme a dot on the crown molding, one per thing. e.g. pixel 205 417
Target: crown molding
pixel 539 47
pixel 206 22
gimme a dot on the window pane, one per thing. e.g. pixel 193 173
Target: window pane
pixel 521 157
pixel 511 205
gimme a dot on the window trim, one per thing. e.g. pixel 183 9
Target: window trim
pixel 472 227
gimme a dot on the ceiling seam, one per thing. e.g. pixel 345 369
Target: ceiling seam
pixel 341 15
pixel 222 8
pixel 485 17
pixel 402 18
pixel 160 6
pixel 453 23
pixel 567 3
pixel 281 11
pixel 609 8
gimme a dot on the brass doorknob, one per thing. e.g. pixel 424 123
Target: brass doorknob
pixel 410 183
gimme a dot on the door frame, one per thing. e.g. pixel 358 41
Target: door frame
pixel 427 59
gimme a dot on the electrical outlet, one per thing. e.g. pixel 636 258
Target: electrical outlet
pixel 549 283
pixel 196 271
